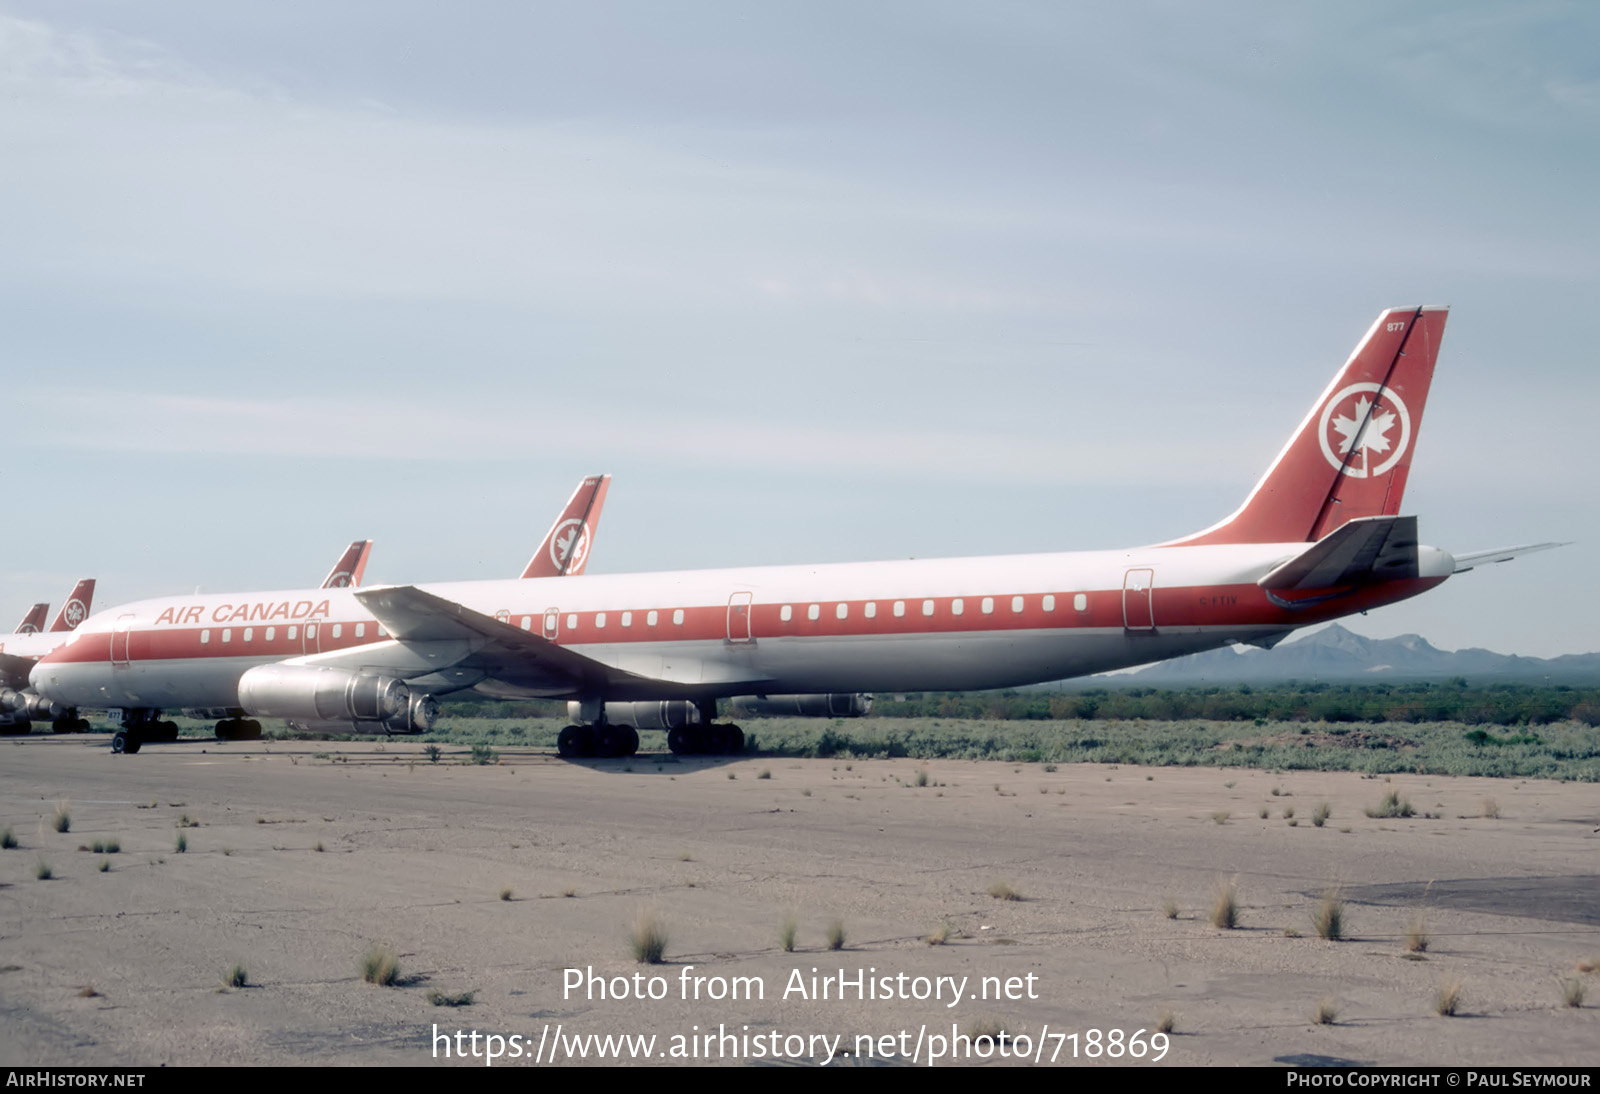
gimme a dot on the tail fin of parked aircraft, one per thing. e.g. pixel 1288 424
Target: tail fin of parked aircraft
pixel 76 609
pixel 33 622
pixel 347 572
pixel 565 550
pixel 1351 456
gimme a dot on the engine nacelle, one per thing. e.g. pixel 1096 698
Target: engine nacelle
pixel 313 693
pixel 29 704
pixel 666 714
pixel 830 705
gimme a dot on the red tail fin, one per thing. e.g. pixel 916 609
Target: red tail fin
pixel 351 565
pixel 76 609
pixel 33 622
pixel 565 550
pixel 1351 456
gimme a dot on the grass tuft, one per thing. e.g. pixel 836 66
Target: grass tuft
pixel 1326 1013
pixel 63 820
pixel 1221 816
pixel 1167 1022
pixel 1169 908
pixel 1225 905
pixel 505 894
pixel 1328 919
pixel 1417 937
pixel 1447 1000
pixel 1320 815
pixel 1572 991
pixel 237 977
pixel 765 773
pixel 1490 809
pixel 182 844
pixel 460 999
pixel 318 847
pixel 88 991
pixel 380 965
pixel 647 940
pixel 8 839
pixel 942 934
pixel 989 1031
pixel 104 865
pixel 786 934
pixel 1393 805
pixel 42 871
pixel 1000 890
pixel 836 937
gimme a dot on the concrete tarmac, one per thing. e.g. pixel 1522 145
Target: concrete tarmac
pixel 521 882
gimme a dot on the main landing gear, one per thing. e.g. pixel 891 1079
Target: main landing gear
pixel 604 740
pixel 141 726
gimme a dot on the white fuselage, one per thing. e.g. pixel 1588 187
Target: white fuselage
pixel 941 624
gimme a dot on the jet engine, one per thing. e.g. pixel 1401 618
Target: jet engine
pixel 666 714
pixel 832 705
pixel 312 693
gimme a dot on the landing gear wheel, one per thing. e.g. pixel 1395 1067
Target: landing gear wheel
pixel 249 730
pixel 569 743
pixel 680 740
pixel 228 729
pixel 126 741
pixel 165 731
pixel 63 725
pixel 119 742
pixel 717 740
pixel 608 741
pixel 735 741
pixel 631 745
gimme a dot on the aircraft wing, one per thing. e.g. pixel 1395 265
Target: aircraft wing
pixel 1361 551
pixel 530 662
pixel 1504 554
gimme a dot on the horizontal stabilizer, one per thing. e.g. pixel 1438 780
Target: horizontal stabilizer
pixel 1357 553
pixel 1504 554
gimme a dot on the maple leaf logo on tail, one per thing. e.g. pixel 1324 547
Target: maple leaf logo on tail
pixel 1365 430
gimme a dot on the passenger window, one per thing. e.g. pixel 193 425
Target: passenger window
pixel 842 611
pixel 292 632
pixel 205 638
pixel 1016 604
pixel 988 605
pixel 271 633
pixel 1050 602
pixel 927 607
pixel 814 612
pixel 627 619
pixel 572 622
pixel 871 610
pixel 227 634
pixel 599 619
pixel 957 606
pixel 527 622
pixel 361 630
pixel 650 620
pixel 1081 602
pixel 677 615
pixel 249 634
pixel 786 612
pixel 899 608
pixel 311 631
pixel 338 631
pixel 381 631
pixel 503 615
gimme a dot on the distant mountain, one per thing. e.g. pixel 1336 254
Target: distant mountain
pixel 1338 654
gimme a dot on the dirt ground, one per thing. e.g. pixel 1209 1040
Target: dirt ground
pixel 499 879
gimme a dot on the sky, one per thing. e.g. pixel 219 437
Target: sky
pixel 814 281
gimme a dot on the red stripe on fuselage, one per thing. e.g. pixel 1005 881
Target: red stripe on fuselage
pixel 1243 605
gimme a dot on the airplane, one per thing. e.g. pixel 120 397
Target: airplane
pixel 19 706
pixel 1320 536
pixel 34 619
